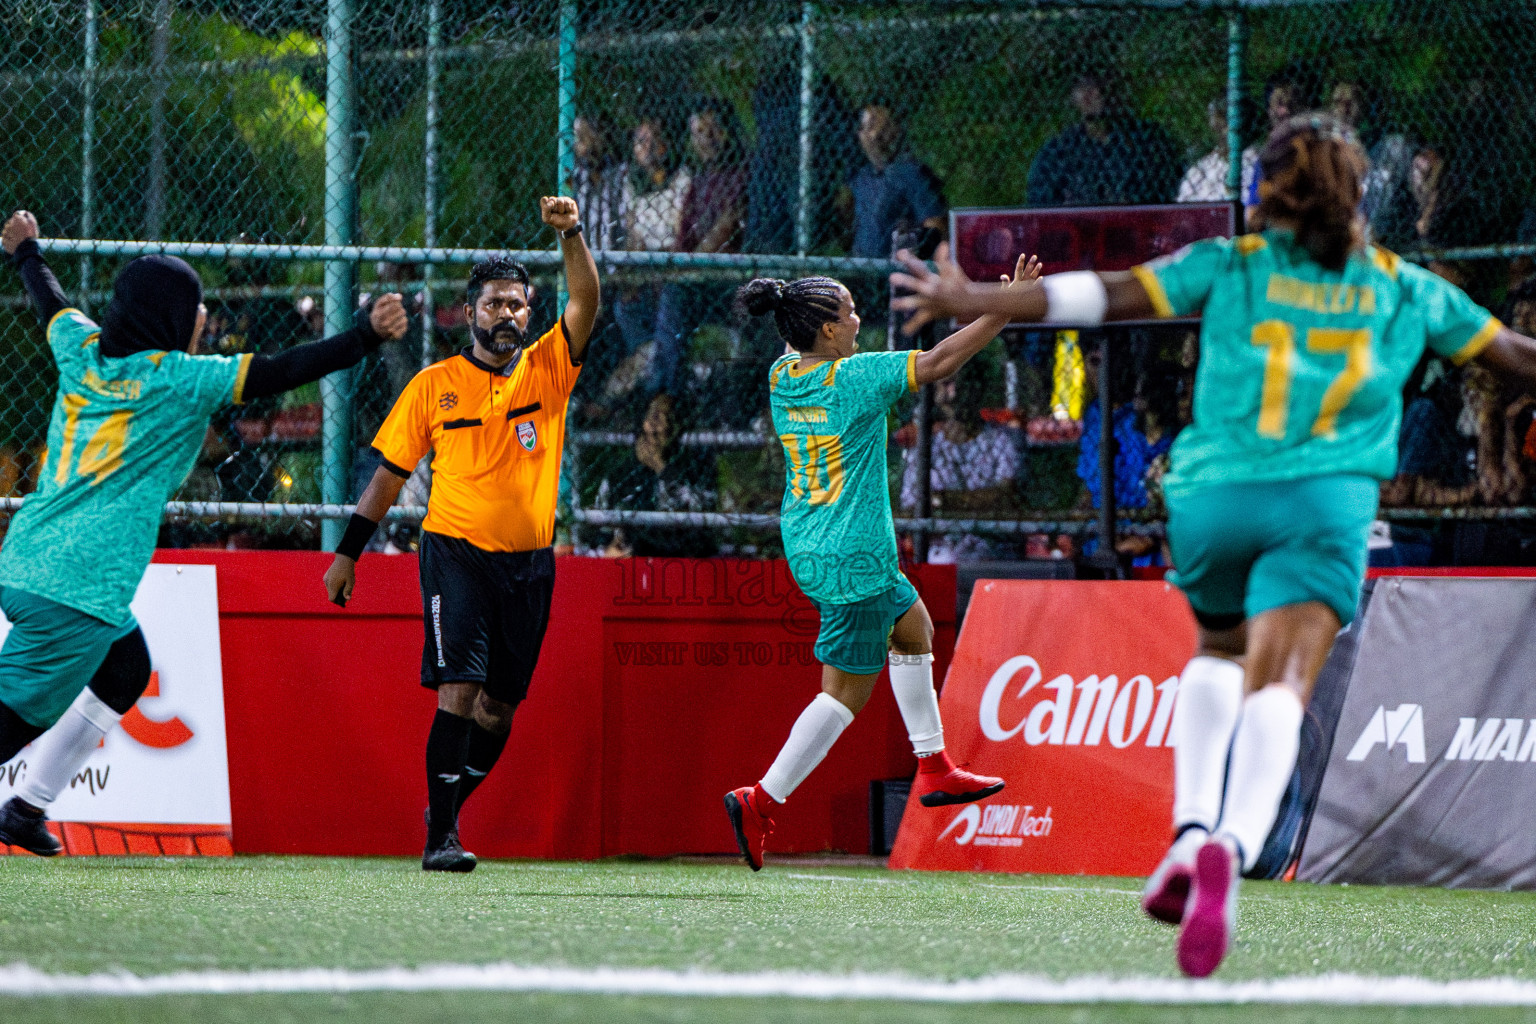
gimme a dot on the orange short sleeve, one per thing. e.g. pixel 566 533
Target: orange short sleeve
pixel 406 434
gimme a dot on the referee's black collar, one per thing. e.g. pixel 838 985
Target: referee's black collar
pixel 468 352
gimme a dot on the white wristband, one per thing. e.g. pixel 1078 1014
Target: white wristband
pixel 1077 299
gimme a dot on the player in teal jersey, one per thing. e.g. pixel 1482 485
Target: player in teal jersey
pixel 829 410
pixel 1308 336
pixel 128 422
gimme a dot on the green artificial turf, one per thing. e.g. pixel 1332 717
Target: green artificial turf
pixel 156 916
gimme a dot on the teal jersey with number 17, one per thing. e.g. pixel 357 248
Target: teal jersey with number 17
pixel 123 435
pixel 836 515
pixel 1302 368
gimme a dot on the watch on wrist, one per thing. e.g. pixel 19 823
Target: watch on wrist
pixel 572 231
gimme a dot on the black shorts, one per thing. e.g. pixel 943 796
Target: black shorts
pixel 486 612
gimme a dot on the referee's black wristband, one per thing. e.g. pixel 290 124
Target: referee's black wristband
pixel 359 533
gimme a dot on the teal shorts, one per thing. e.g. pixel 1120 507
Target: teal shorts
pixel 50 654
pixel 1245 548
pixel 855 637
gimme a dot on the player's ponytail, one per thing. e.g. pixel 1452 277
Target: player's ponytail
pixel 1314 170
pixel 799 308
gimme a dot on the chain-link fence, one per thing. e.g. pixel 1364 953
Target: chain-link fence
pixel 305 153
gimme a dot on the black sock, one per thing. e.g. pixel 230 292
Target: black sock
pixel 484 748
pixel 447 744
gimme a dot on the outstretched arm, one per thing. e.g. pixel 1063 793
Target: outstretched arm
pixel 380 494
pixel 1513 356
pixel 581 285
pixel 955 351
pixel 19 239
pixel 950 293
pixel 272 375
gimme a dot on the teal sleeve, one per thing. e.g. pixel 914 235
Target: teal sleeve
pixel 879 378
pixel 1454 326
pixel 1178 285
pixel 69 332
pixel 210 381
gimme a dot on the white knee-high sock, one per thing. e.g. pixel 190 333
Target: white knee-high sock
pixel 1263 758
pixel 1204 719
pixel 912 683
pixel 59 752
pixel 814 732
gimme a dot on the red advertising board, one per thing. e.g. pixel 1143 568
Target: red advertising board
pixel 1066 690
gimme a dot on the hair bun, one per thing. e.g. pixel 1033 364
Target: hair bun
pixel 762 295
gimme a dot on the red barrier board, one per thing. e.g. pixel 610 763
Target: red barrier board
pixel 662 684
pixel 1066 690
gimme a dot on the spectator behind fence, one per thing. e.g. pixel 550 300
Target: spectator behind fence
pixel 1452 211
pixel 1291 90
pixel 892 191
pixel 1136 452
pixel 1436 449
pixel 973 469
pixel 651 198
pixel 1389 207
pixel 715 203
pixel 659 475
pixel 773 187
pixel 1206 179
pixel 597 184
pixel 1109 157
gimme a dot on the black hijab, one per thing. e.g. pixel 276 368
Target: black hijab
pixel 154 306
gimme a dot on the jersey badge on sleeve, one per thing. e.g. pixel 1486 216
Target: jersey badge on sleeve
pixel 527 434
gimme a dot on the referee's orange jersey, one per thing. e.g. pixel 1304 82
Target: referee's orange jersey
pixel 496 443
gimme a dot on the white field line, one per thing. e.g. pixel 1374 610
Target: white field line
pixel 1329 989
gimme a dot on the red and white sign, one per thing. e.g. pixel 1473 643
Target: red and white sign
pixel 1066 690
pixel 160 783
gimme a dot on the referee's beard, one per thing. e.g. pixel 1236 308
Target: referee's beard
pixel 502 339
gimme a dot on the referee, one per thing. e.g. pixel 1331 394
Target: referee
pixel 493 418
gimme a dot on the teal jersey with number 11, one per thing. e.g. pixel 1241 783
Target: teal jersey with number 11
pixel 123 435
pixel 1302 368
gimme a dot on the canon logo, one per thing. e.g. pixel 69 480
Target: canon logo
pixel 997 825
pixel 1081 713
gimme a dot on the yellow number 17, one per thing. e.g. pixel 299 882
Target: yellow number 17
pixel 1279 338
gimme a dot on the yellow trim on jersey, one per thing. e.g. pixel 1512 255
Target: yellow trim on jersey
pixel 1479 341
pixel 1155 292
pixel 832 377
pixel 1386 261
pixel 53 319
pixel 240 374
pixel 912 370
pixel 804 369
pixel 1247 245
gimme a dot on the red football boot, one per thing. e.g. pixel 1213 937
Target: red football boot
pixel 940 783
pixel 1210 916
pixel 752 826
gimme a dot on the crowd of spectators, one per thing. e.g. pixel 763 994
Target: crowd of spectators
pixel 674 368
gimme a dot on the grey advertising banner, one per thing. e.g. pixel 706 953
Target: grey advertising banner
pixel 1431 779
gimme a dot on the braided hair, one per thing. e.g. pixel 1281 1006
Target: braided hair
pixel 799 307
pixel 1314 169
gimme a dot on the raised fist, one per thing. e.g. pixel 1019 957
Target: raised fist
pixel 388 318
pixel 18 228
pixel 559 212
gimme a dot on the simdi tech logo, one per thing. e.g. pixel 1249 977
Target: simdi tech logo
pixel 1501 739
pixel 997 825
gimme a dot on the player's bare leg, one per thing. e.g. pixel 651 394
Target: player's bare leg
pixel 447 748
pixel 1204 719
pixel 1287 647
pixel 939 782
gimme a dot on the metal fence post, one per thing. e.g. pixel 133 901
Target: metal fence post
pixel 1105 557
pixel 87 149
pixel 338 389
pixel 807 122
pixel 567 132
pixel 429 178
pixel 160 47
pixel 1237 39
